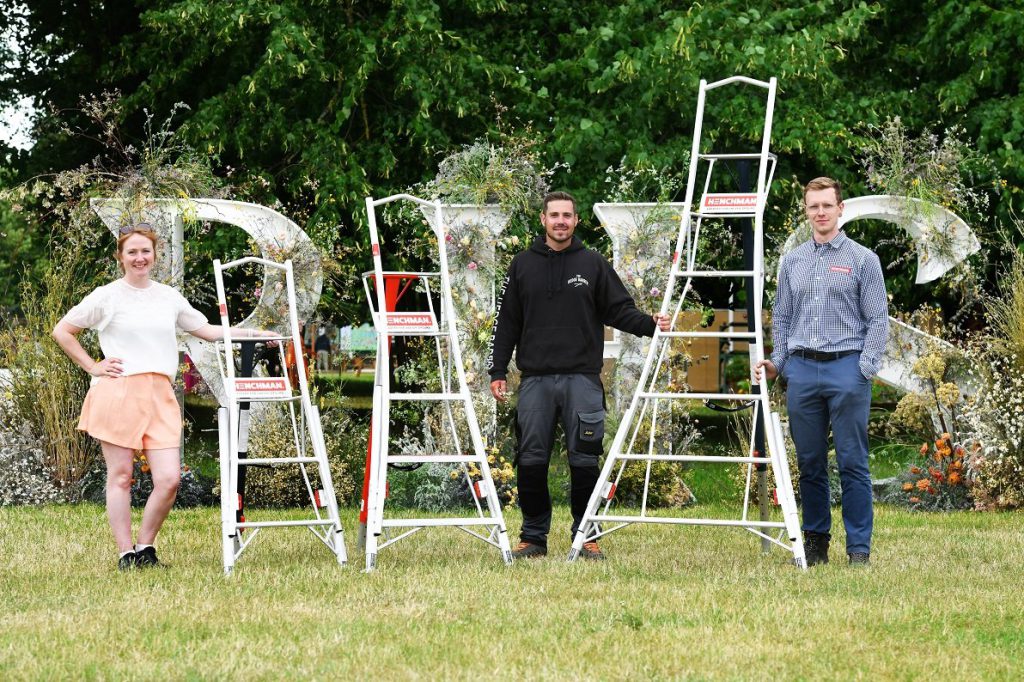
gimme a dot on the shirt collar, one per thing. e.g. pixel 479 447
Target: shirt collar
pixel 836 243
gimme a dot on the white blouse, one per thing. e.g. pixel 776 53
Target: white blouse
pixel 139 326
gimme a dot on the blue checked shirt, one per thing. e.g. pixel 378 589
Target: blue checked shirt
pixel 831 297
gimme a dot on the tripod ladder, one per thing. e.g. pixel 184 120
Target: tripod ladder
pixel 448 413
pixel 233 420
pixel 641 433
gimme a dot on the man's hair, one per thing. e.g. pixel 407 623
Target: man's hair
pixel 824 183
pixel 558 196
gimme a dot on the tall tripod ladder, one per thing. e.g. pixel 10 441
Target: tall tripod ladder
pixel 304 417
pixel 452 397
pixel 636 439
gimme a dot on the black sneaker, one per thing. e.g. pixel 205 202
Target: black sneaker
pixel 816 548
pixel 528 550
pixel 128 562
pixel 859 558
pixel 145 558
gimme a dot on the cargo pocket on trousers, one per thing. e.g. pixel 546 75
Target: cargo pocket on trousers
pixel 590 437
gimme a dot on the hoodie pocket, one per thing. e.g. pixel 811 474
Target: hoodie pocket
pixel 590 437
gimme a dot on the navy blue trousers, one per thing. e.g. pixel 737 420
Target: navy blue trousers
pixel 832 395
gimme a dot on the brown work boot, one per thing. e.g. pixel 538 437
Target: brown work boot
pixel 528 550
pixel 592 551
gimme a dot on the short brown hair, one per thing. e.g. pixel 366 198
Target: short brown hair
pixel 824 183
pixel 558 196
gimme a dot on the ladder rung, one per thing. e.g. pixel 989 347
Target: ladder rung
pixel 444 459
pixel 750 155
pixel 282 524
pixel 277 460
pixel 392 332
pixel 268 399
pixel 710 214
pixel 429 396
pixel 751 336
pixel 691 522
pixel 715 273
pixel 258 339
pixel 705 396
pixel 420 523
pixel 694 458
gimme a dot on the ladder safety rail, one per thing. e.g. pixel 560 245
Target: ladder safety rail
pixel 451 399
pixel 303 416
pixel 637 439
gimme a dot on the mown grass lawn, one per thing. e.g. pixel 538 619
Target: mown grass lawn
pixel 942 600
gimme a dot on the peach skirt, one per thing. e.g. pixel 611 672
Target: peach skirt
pixel 137 411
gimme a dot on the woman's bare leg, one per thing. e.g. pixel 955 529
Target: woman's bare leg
pixel 119 493
pixel 165 468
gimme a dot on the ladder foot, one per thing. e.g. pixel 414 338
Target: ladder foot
pixel 573 554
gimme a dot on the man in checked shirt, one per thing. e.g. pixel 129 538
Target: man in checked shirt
pixel 830 326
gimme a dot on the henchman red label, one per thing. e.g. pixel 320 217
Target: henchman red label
pixel 840 268
pixel 729 203
pixel 261 385
pixel 412 322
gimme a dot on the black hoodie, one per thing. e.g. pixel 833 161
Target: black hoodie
pixel 553 308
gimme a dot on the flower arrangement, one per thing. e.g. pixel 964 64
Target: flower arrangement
pixel 937 481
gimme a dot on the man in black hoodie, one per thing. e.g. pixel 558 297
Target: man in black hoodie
pixel 554 304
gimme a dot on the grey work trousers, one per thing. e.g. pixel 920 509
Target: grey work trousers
pixel 577 402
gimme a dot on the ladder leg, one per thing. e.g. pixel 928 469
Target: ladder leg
pixel 787 499
pixel 228 500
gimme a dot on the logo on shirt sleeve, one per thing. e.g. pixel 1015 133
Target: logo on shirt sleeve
pixel 840 268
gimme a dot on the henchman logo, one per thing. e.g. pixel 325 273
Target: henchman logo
pixel 261 386
pixel 412 322
pixel 578 281
pixel 727 203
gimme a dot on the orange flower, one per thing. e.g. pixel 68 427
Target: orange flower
pixel 938 455
pixel 944 436
pixel 924 448
pixel 954 478
pixel 915 470
pixel 931 490
pixel 937 475
pixel 145 468
pixel 923 484
pixel 907 487
pixel 915 500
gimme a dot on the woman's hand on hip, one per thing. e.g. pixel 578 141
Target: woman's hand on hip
pixel 107 367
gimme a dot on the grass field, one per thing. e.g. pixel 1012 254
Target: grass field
pixel 942 600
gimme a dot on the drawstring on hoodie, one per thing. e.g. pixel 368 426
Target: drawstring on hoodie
pixel 555 283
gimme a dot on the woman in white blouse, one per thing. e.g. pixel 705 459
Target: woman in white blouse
pixel 131 404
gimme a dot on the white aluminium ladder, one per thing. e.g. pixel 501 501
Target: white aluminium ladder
pixel 639 436
pixel 237 532
pixel 450 397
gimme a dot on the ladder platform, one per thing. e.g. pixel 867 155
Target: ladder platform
pixel 262 461
pixel 426 459
pixel 742 336
pixel 751 397
pixel 429 396
pixel 715 273
pixel 637 457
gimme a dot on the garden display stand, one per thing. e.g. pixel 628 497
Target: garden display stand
pixel 437 323
pixel 640 433
pixel 233 421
